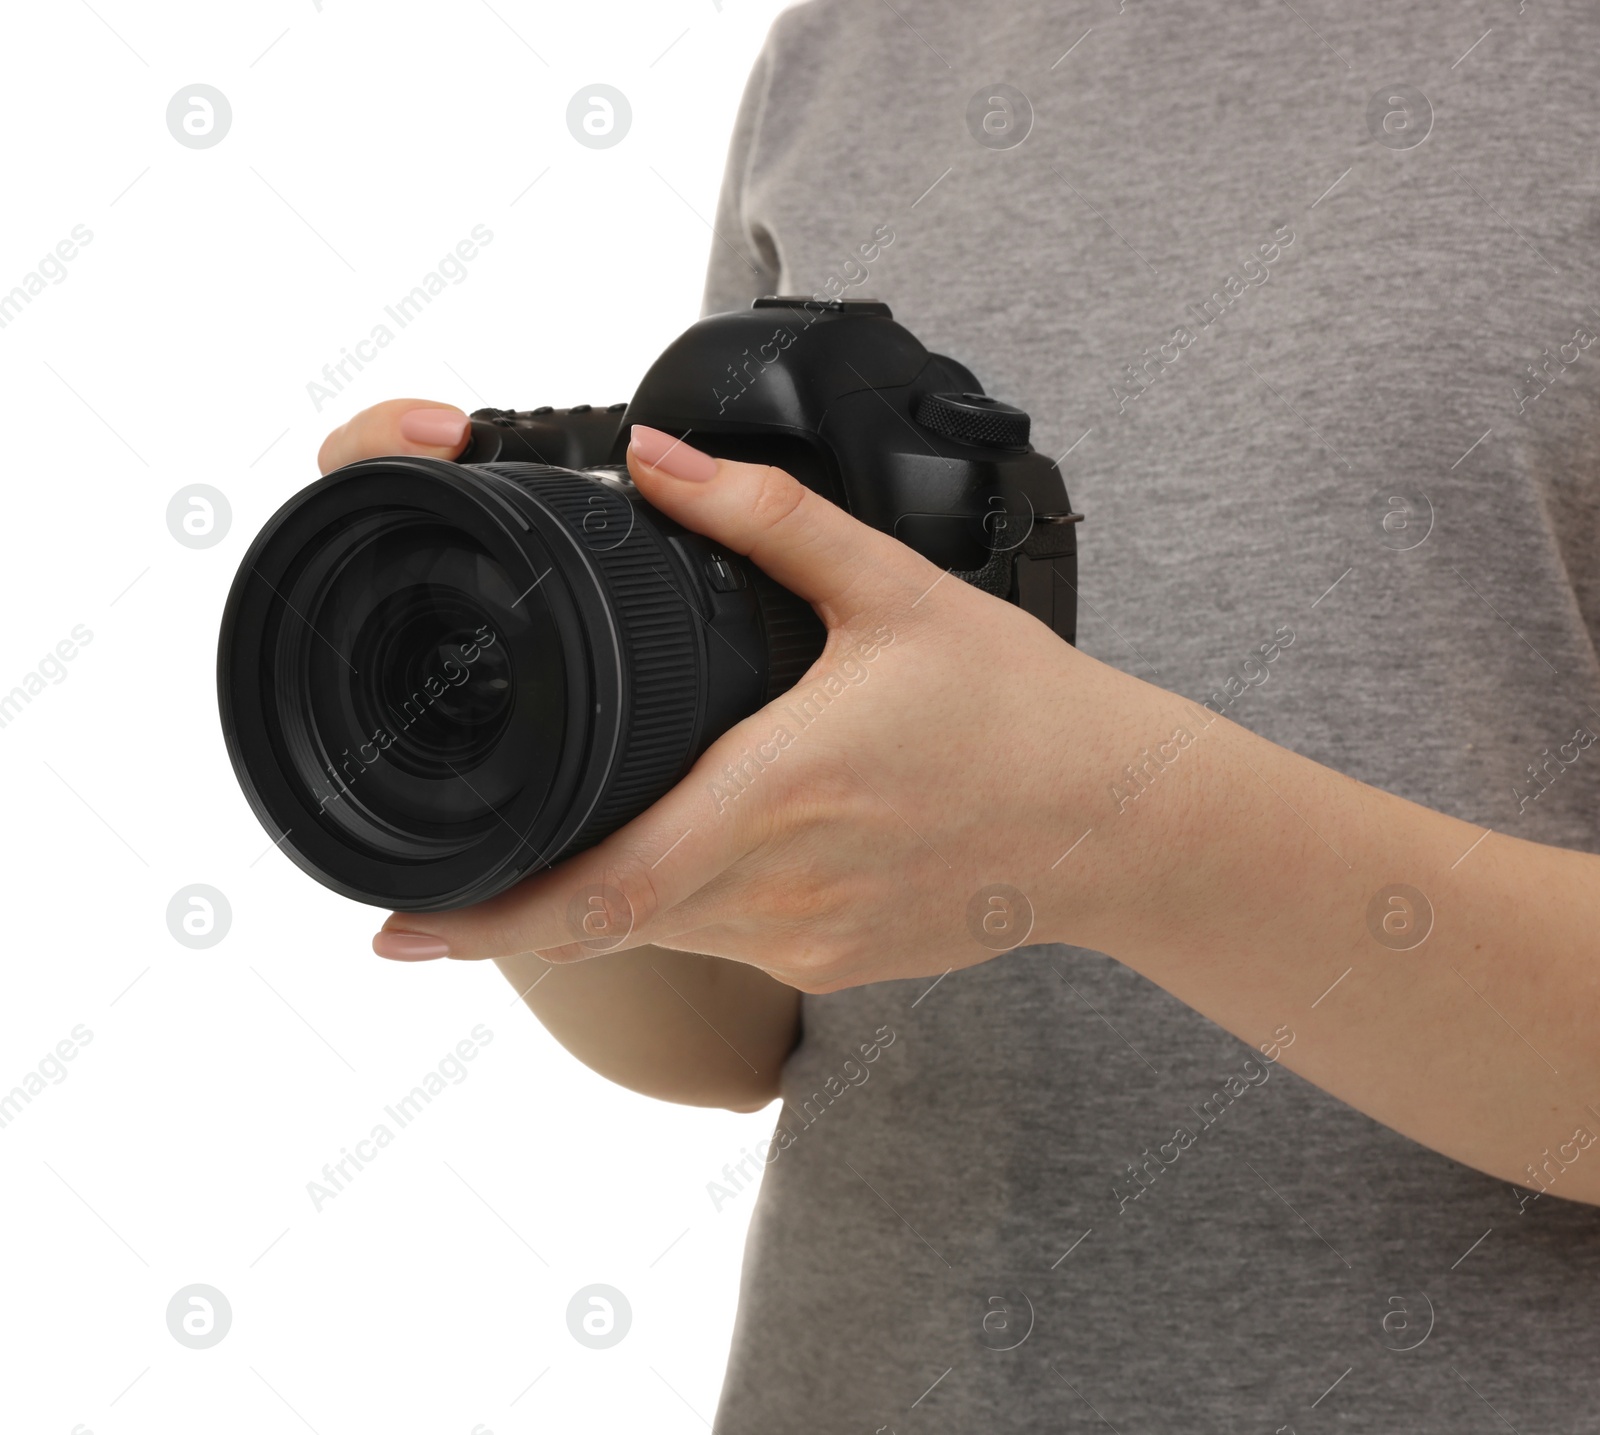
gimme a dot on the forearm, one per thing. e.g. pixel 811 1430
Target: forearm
pixel 1472 1031
pixel 701 1031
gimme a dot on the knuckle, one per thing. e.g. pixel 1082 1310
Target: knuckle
pixel 327 455
pixel 775 499
pixel 819 972
pixel 632 877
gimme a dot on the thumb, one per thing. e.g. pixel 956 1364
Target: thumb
pixel 814 548
pixel 398 426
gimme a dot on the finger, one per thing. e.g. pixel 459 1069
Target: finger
pixel 399 426
pixel 814 548
pixel 624 892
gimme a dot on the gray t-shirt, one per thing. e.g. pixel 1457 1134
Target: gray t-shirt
pixel 1305 296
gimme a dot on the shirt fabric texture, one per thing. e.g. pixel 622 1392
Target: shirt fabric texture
pixel 1381 437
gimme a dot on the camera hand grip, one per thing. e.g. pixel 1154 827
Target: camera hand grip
pixel 580 437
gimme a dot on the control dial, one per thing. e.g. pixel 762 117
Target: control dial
pixel 975 419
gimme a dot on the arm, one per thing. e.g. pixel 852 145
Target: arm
pixel 1466 1019
pixel 1242 878
pixel 697 1030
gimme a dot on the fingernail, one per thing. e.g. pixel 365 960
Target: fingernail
pixel 409 946
pixel 436 428
pixel 671 455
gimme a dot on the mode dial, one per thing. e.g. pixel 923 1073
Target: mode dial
pixel 974 418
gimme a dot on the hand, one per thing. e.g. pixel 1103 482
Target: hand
pixel 398 426
pixel 973 747
pixel 944 742
pixel 677 1026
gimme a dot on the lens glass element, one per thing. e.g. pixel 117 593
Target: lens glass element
pixel 419 691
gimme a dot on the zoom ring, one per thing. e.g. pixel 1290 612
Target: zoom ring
pixel 660 647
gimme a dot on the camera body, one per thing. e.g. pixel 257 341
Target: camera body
pixel 436 678
pixel 851 404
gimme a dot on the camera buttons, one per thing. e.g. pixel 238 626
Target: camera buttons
pixel 873 307
pixel 723 576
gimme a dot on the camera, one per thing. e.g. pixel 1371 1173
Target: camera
pixel 436 678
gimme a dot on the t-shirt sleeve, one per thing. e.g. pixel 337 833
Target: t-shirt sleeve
pixel 744 263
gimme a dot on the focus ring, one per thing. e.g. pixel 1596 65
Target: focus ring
pixel 794 634
pixel 660 647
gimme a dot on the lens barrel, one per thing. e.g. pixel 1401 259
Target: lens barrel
pixel 438 678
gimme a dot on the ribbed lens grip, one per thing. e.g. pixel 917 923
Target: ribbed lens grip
pixel 660 647
pixel 795 635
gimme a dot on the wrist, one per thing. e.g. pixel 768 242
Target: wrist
pixel 1256 853
pixel 1150 789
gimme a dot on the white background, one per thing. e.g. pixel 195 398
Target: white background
pixel 366 140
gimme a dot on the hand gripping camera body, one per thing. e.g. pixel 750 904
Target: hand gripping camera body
pixel 436 678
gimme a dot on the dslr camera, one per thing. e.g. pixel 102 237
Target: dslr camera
pixel 437 678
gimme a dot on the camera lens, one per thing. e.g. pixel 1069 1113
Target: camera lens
pixel 404 662
pixel 421 637
pixel 437 678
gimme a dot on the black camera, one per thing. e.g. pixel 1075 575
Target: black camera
pixel 436 678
